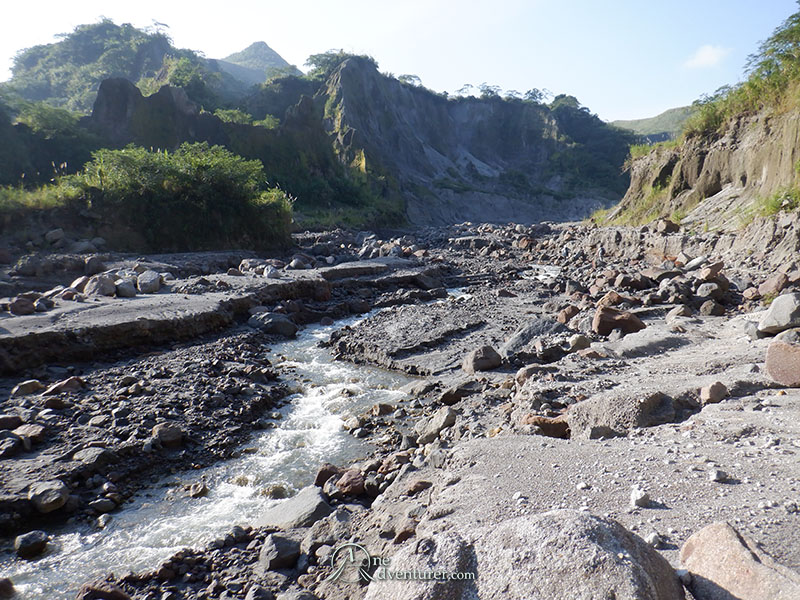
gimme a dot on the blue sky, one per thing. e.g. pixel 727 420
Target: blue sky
pixel 622 59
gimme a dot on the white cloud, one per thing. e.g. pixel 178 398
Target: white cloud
pixel 706 56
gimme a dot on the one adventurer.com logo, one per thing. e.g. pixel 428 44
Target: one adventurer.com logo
pixel 352 563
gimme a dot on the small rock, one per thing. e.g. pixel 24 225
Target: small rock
pixel 102 505
pixel 101 590
pixel 639 498
pixel 717 475
pixel 54 235
pixel 654 540
pixel 6 588
pixel 31 544
pixel 93 265
pixel 774 285
pixel 711 394
pixel 429 430
pixel 10 421
pixel 579 342
pixel 198 490
pixel 276 323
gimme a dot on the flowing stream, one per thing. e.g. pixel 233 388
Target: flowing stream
pixel 164 520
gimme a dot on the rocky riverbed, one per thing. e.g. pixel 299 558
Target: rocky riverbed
pixel 587 403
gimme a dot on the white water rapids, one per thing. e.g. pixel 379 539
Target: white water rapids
pixel 163 520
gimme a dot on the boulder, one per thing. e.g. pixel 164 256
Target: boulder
pixel 48 496
pixel 21 306
pixel 101 590
pixel 521 344
pixel 554 555
pixel 711 394
pixel 774 285
pixel 484 358
pixel 325 472
pixel 725 565
pixel 95 458
pixel 54 235
pixel 10 421
pixel 607 319
pixel 168 434
pixel 556 427
pixel 6 588
pixel 783 363
pixel 31 544
pixel 148 282
pixel 351 483
pixel 278 552
pixel 72 384
pixel 100 285
pixel 125 288
pixel 93 265
pixel 276 323
pixel 783 313
pixel 429 430
pixel 303 510
pixel 33 431
pixel 614 414
pixel 10 444
pixel 27 387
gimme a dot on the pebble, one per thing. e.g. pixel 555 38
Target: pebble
pixel 639 498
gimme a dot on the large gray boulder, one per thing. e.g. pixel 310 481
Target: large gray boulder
pixel 783 313
pixel 429 430
pixel 303 510
pixel 522 342
pixel 550 556
pixel 100 285
pixel 616 413
pixel 48 496
pixel 276 323
pixel 278 552
pixel 725 566
pixel 148 282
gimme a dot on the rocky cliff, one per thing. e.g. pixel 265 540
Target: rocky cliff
pixel 365 139
pixel 484 159
pixel 719 181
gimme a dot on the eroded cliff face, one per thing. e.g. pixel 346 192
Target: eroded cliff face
pixel 468 159
pixel 715 182
pixel 366 139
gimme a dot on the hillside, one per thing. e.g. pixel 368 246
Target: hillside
pixel 68 73
pixel 666 125
pixel 738 157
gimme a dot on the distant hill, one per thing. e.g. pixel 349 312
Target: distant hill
pixel 68 73
pixel 256 63
pixel 667 125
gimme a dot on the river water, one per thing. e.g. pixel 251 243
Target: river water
pixel 164 520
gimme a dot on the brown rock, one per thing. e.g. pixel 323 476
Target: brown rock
pixel 612 298
pixel 555 427
pixel 751 293
pixel 101 590
pixel 21 306
pixel 325 472
pixel 783 363
pixel 709 272
pixel 592 353
pixel 417 486
pixel 712 308
pixel 351 483
pixel 6 585
pixel 73 384
pixel 711 394
pixel 725 565
pixel 773 285
pixel 394 462
pixel 567 313
pixel 667 226
pixel 607 319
